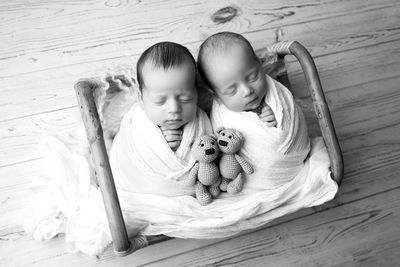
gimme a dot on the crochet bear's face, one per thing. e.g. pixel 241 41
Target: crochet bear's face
pixel 229 140
pixel 205 148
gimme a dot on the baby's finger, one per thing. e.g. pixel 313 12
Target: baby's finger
pixel 173 137
pixel 271 124
pixel 267 118
pixel 174 145
pixel 172 132
pixel 267 112
pixel 163 128
pixel 266 108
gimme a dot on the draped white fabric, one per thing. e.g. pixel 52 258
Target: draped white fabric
pixel 64 200
pixel 149 178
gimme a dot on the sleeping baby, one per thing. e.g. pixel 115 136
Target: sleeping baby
pixel 247 99
pixel 151 152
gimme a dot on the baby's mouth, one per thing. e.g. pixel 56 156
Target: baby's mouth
pixel 174 123
pixel 173 120
pixel 252 101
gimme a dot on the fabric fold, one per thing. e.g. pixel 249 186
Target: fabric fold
pixel 278 153
pixel 142 161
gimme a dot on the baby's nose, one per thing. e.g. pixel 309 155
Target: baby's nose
pixel 246 90
pixel 174 106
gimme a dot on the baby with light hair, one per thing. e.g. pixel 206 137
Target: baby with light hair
pixel 247 99
pixel 230 68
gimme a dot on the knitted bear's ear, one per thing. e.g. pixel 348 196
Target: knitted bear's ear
pixel 220 129
pixel 239 134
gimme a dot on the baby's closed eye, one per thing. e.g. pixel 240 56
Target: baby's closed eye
pixel 253 76
pixel 159 100
pixel 185 99
pixel 230 91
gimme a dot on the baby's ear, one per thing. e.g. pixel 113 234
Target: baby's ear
pixel 211 91
pixel 140 100
pixel 220 129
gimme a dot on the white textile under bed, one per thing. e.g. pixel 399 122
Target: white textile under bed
pixel 153 198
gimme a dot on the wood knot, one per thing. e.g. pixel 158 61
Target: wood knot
pixel 225 14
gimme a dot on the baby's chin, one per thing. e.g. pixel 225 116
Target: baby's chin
pixel 253 106
pixel 173 124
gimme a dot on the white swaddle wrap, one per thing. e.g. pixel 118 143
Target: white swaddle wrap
pixel 276 152
pixel 142 161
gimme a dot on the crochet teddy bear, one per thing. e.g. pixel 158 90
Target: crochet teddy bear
pixel 231 165
pixel 205 172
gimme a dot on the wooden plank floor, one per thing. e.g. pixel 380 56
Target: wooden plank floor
pixel 45 46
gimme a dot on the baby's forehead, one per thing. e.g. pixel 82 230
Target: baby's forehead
pixel 151 67
pixel 179 79
pixel 233 50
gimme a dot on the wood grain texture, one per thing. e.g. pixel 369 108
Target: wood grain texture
pixel 331 237
pixel 50 90
pixel 15 194
pixel 20 138
pixel 349 68
pixel 63 34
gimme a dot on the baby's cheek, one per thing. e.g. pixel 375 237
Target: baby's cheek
pixel 190 111
pixel 154 114
pixel 262 86
pixel 232 103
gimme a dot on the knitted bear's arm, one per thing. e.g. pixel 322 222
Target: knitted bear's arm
pixel 246 166
pixel 192 177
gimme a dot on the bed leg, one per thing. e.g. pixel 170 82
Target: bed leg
pixel 94 132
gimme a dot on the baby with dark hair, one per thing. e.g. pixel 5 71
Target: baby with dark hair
pixel 151 152
pixel 166 74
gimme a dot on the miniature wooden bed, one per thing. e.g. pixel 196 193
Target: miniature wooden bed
pixel 84 91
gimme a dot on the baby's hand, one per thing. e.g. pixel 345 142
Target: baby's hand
pixel 267 116
pixel 172 136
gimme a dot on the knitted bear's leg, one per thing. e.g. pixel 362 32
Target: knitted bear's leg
pixel 224 184
pixel 236 185
pixel 214 189
pixel 202 195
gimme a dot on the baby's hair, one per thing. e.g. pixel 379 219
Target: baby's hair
pixel 164 55
pixel 215 44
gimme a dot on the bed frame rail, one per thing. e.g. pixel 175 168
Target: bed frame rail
pixel 84 91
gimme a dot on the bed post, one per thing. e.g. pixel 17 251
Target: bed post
pixel 320 106
pixel 94 131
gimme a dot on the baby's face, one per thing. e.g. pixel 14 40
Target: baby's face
pixel 169 96
pixel 237 79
